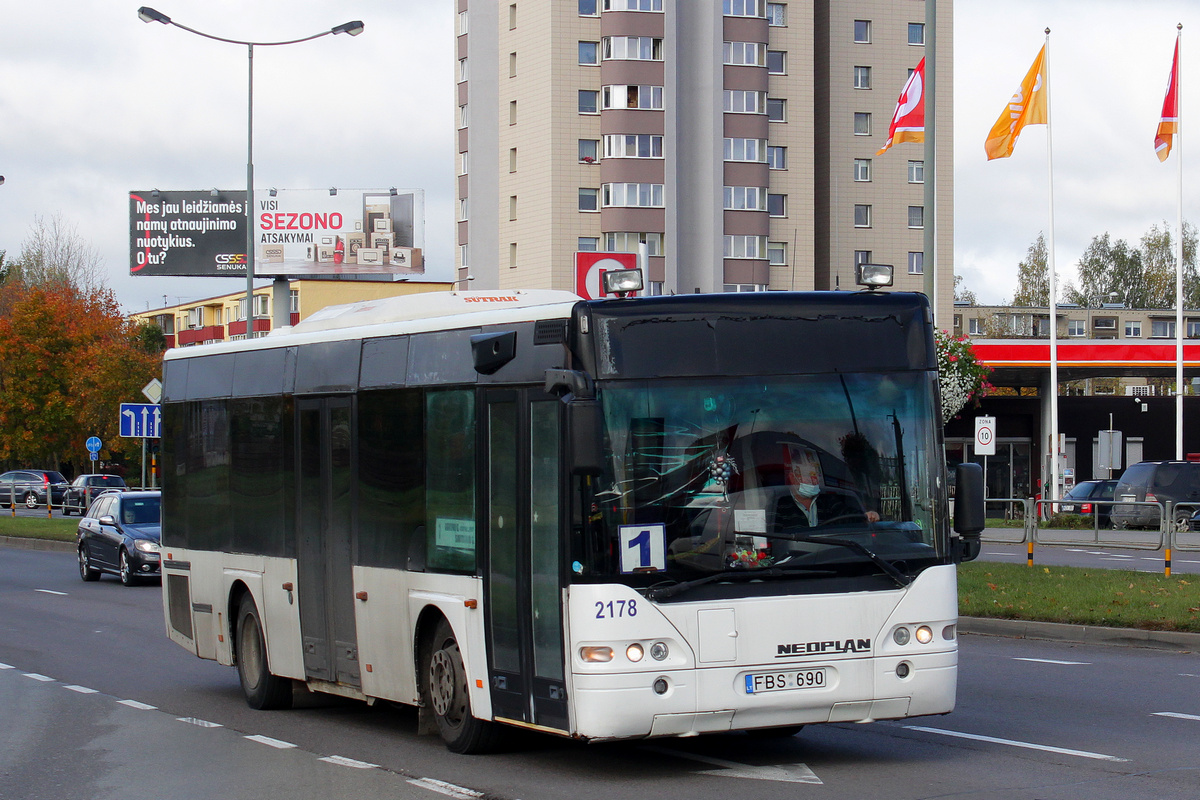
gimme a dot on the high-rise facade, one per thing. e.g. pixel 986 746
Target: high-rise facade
pixel 736 139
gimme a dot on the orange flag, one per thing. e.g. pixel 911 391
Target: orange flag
pixel 1168 126
pixel 908 122
pixel 1027 107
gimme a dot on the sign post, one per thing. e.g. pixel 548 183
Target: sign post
pixel 985 442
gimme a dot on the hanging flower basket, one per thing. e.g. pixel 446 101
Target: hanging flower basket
pixel 962 377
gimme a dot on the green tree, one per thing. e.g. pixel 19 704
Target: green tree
pixel 1107 271
pixel 962 294
pixel 1158 260
pixel 1033 277
pixel 54 254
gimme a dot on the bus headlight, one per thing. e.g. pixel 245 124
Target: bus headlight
pixel 901 636
pixel 659 651
pixel 634 652
pixel 596 655
pixel 924 634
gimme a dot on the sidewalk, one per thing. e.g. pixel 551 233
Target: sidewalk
pixel 1080 634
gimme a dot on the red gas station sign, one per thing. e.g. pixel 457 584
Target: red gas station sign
pixel 590 269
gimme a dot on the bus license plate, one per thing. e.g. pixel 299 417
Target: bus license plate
pixel 783 680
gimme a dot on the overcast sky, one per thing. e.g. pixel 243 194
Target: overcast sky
pixel 94 103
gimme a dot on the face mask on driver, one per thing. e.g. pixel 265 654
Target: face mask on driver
pixel 807 490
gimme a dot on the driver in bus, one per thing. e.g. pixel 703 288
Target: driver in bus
pixel 809 501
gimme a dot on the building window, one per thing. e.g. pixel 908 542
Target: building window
pixel 628 242
pixel 862 123
pixel 777 62
pixel 862 31
pixel 1193 329
pixel 512 159
pixel 743 8
pixel 777 254
pixel 463 252
pixel 463 162
pixel 462 70
pixel 862 169
pixel 512 255
pixel 744 287
pixel 462 22
pixel 1133 329
pixel 916 216
pixel 589 200
pixel 632 195
pixel 777 14
pixel 776 109
pixel 745 246
pixel 463 118
pixel 745 54
pixel 862 77
pixel 632 48
pixel 588 100
pixel 916 172
pixel 648 98
pixel 633 145
pixel 587 8
pixel 512 65
pixel 1162 329
pixel 588 244
pixel 776 157
pixel 512 207
pixel 633 5
pixel 777 205
pixel 589 150
pixel 463 207
pixel 746 150
pixel 916 33
pixel 975 326
pixel 862 216
pixel 294 301
pixel 916 263
pixel 739 101
pixel 589 53
pixel 512 112
pixel 512 16
pixel 862 257
pixel 1075 327
pixel 745 198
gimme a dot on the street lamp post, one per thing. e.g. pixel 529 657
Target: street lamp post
pixel 354 28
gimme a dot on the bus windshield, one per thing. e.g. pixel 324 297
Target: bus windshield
pixel 802 477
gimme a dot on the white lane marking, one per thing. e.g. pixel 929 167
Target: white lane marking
pixel 51 591
pixel 278 744
pixel 137 705
pixel 200 723
pixel 349 762
pixel 80 689
pixel 1175 715
pixel 785 773
pixel 1013 743
pixel 37 677
pixel 448 789
pixel 1052 661
pixel 7 666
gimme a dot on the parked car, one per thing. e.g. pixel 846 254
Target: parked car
pixel 83 490
pixel 1156 481
pixel 120 534
pixel 28 486
pixel 1082 500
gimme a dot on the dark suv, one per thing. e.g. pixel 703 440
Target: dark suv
pixel 83 491
pixel 28 486
pixel 1156 481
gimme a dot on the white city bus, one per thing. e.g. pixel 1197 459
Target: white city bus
pixel 587 518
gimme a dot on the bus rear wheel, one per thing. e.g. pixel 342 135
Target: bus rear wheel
pixel 263 690
pixel 447 695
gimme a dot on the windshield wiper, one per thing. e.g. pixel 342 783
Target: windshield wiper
pixel 899 577
pixel 664 592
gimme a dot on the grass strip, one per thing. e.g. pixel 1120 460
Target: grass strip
pixel 60 529
pixel 1107 597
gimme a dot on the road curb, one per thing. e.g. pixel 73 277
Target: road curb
pixel 1080 634
pixel 26 543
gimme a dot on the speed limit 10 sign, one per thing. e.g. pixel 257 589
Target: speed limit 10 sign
pixel 985 436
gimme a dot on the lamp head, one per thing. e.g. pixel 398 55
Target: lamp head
pixel 353 28
pixel 148 14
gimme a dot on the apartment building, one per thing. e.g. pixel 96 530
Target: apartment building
pixel 735 139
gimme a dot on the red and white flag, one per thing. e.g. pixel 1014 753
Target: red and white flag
pixel 908 123
pixel 1168 126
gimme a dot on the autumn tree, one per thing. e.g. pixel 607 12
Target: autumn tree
pixel 1033 277
pixel 67 360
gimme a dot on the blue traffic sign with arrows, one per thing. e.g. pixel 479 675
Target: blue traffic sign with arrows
pixel 140 420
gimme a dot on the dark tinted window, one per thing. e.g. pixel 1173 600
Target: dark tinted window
pixel 1137 475
pixel 391 475
pixel 260 489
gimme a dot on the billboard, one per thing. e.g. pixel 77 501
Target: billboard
pixel 300 232
pixel 590 268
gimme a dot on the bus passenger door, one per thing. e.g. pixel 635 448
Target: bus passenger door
pixel 523 573
pixel 323 548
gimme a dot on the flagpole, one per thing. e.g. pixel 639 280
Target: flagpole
pixel 1053 494
pixel 1179 332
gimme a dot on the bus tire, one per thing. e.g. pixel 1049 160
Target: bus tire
pixel 263 690
pixel 447 696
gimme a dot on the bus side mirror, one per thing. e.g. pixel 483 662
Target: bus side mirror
pixel 969 520
pixel 584 434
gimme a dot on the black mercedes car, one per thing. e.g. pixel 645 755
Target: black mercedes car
pixel 120 534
